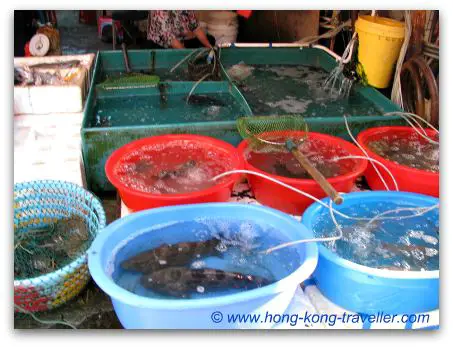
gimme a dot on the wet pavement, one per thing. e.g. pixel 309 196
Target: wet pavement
pixel 78 38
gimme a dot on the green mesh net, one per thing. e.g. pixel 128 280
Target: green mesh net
pixel 55 223
pixel 273 130
pixel 130 80
pixel 44 249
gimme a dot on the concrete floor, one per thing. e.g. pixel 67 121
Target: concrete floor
pixel 78 38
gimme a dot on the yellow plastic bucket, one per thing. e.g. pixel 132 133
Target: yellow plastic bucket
pixel 380 41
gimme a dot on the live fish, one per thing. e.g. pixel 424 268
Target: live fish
pixel 179 171
pixel 426 157
pixel 163 95
pixel 182 282
pixel 67 235
pixel 205 100
pixel 293 169
pixel 408 248
pixel 179 254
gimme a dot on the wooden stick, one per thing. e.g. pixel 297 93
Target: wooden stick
pixel 317 176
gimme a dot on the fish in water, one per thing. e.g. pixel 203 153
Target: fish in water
pixel 408 248
pixel 282 170
pixel 178 254
pixel 179 171
pixel 292 169
pixel 205 100
pixel 424 155
pixel 163 94
pixel 182 282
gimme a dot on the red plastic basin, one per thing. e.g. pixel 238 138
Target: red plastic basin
pixel 204 146
pixel 408 179
pixel 273 195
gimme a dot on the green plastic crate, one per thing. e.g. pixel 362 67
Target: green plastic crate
pixel 98 143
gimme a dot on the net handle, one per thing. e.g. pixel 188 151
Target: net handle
pixel 315 174
pixel 126 58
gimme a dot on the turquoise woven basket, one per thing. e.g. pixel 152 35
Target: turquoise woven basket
pixel 37 204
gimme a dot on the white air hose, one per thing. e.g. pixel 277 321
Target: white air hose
pixel 421 210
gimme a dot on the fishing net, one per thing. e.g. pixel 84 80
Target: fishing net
pixel 290 133
pixel 54 225
pixel 273 130
pixel 129 80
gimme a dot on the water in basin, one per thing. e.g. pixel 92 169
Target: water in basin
pixel 177 167
pixel 172 109
pixel 410 244
pixel 279 161
pixel 239 250
pixel 286 89
pixel 413 151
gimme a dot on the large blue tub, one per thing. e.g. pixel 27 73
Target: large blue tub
pixel 140 312
pixel 369 290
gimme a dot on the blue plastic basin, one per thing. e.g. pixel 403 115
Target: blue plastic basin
pixel 140 312
pixel 369 290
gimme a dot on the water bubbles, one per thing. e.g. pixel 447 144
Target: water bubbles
pixel 171 168
pixel 140 109
pixel 395 244
pixel 201 234
pixel 430 239
pixel 415 234
pixel 405 240
pixel 416 153
pixel 431 252
pixel 242 261
pixel 418 254
pixel 405 265
pixel 200 289
pixel 282 89
pixel 222 247
pixel 198 264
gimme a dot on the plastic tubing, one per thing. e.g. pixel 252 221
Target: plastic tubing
pixel 364 152
pixel 421 210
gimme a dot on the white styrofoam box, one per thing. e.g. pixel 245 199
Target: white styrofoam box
pixel 48 147
pixel 49 99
